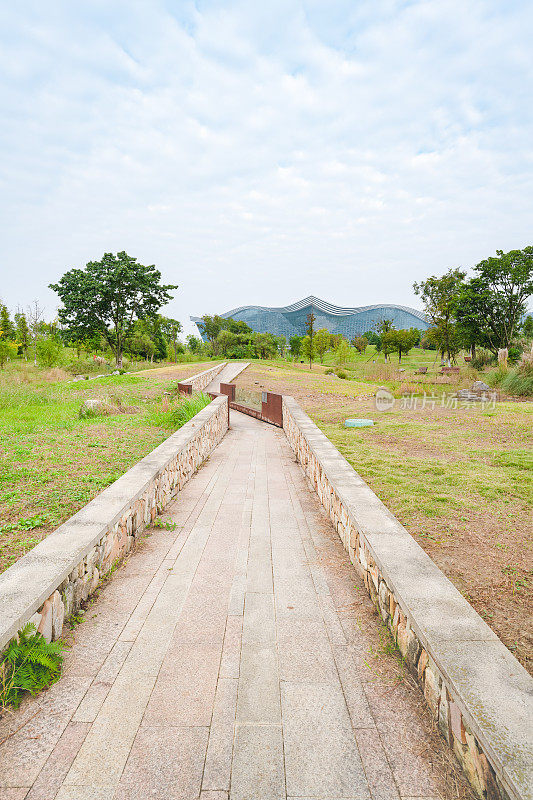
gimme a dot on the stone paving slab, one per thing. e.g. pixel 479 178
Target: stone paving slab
pixel 227 660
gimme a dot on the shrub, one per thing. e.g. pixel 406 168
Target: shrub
pixel 7 351
pixel 49 352
pixel 328 372
pixel 185 410
pixel 29 664
pixel 341 374
pixel 517 381
pixel 514 354
pixel 483 359
pixel 525 367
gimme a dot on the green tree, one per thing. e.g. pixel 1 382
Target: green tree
pixel 265 345
pixel 295 345
pixel 401 341
pixel 307 348
pixel 22 332
pixel 281 344
pixel 527 327
pixel 372 338
pixel 322 343
pixel 494 301
pixel 210 327
pixel 7 351
pixel 193 343
pixel 311 319
pixel 360 343
pixel 224 341
pixel 441 298
pixel 139 343
pixel 109 295
pixel 344 354
pixel 384 326
pixel 7 329
pixel 49 351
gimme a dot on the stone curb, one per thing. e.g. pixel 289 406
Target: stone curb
pixel 59 573
pixel 203 379
pixel 480 695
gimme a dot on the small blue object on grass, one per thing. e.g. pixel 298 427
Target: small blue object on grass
pixel 358 423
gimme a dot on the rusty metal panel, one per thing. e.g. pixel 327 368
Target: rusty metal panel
pixel 229 389
pixel 272 409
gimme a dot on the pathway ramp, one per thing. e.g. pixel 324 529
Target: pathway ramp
pixel 227 375
pixel 235 657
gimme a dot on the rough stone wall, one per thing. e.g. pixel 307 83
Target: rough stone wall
pixel 495 771
pixel 168 475
pixel 203 379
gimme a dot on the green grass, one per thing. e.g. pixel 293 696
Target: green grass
pixel 52 462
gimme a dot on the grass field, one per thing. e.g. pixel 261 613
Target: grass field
pixel 459 479
pixel 52 462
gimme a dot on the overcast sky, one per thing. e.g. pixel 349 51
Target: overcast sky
pixel 264 150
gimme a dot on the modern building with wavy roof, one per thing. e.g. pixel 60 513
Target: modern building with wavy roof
pixel 291 320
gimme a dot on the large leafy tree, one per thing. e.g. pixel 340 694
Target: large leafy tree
pixel 440 297
pixel 492 304
pixel 109 295
pixel 210 327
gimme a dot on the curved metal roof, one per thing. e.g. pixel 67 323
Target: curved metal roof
pixel 322 305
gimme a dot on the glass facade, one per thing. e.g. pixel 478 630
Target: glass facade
pixel 291 320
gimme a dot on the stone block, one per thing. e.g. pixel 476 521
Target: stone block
pixel 58 615
pixel 432 689
pixel 45 625
pixel 68 598
pixel 456 722
pixel 383 595
pixel 443 720
pixel 422 664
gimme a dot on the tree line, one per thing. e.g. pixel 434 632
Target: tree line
pixel 487 310
pixel 113 304
pixel 110 305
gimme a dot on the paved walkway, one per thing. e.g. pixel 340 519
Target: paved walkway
pixel 227 375
pixel 235 657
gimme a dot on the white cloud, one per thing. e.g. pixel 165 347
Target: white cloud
pixel 262 152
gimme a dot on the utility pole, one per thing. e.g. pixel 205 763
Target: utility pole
pixel 310 332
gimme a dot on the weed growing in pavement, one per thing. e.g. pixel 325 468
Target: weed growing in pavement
pixel 167 524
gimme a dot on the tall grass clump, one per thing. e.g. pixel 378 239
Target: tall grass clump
pixel 182 410
pixel 517 381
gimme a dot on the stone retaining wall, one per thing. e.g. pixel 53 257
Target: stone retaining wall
pixel 203 379
pixel 479 694
pixel 55 577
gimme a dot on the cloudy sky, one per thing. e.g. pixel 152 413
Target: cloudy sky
pixel 263 150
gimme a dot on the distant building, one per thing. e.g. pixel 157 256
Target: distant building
pixel 291 320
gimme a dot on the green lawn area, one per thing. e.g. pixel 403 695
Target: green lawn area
pixel 52 462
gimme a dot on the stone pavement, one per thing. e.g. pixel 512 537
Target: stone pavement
pixel 227 375
pixel 237 656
